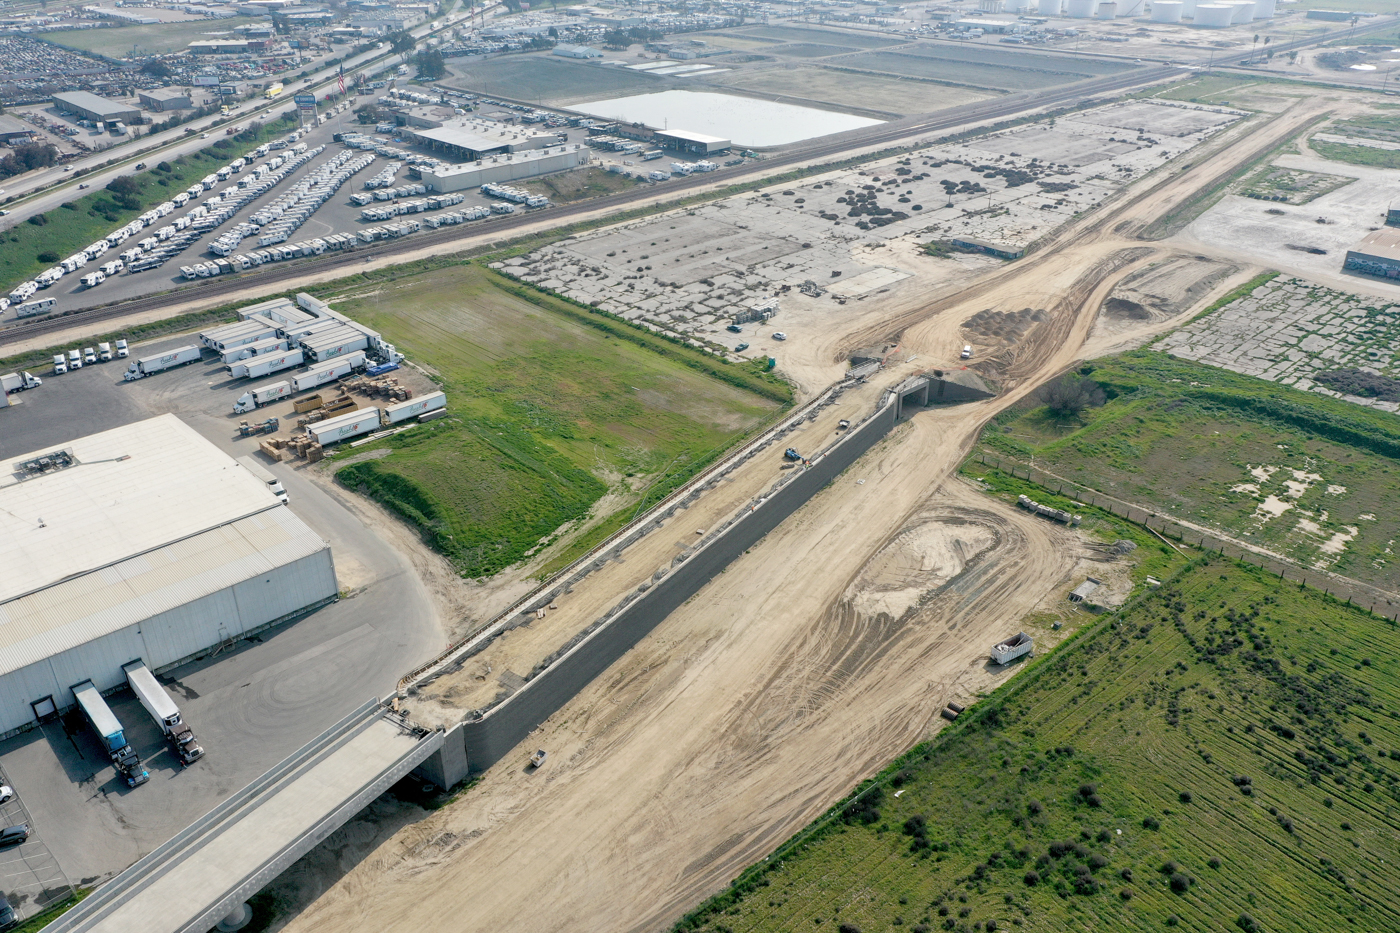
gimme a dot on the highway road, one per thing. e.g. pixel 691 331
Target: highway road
pixel 50 187
pixel 279 276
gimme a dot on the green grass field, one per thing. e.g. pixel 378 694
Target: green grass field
pixel 1220 756
pixel 580 184
pixel 1210 446
pixel 551 408
pixel 144 40
pixel 76 223
pixel 1356 155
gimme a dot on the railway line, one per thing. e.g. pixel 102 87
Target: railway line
pixel 275 278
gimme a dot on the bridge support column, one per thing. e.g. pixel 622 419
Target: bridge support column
pixel 447 766
pixel 238 918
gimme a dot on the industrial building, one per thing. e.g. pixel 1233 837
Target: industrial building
pixel 162 99
pixel 1377 254
pixel 468 140
pixel 695 143
pixel 143 541
pixel 14 130
pixel 504 168
pixel 89 106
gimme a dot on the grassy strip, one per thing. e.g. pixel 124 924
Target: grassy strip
pixel 74 224
pixel 752 376
pixel 1178 217
pixel 42 919
pixel 1213 756
pixel 1235 294
pixel 1356 155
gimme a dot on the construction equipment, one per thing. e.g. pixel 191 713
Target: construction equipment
pixel 792 454
pixel 249 430
pixel 537 759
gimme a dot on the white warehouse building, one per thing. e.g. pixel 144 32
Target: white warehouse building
pixel 144 541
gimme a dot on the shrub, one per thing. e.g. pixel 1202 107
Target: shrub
pixel 1093 800
pixel 1150 822
pixel 1032 878
pixel 1088 790
pixel 1180 882
pixel 1126 894
pixel 1097 861
pixel 1033 807
pixel 1247 923
pixel 1172 920
pixel 38 220
pixel 1184 796
pixel 48 257
pixel 848 928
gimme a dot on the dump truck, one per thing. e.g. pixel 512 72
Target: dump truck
pixel 18 382
pixel 263 427
pixel 255 398
pixel 162 709
pixel 113 737
pixel 1012 648
pixel 149 365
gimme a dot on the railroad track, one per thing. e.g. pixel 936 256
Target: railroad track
pixel 273 278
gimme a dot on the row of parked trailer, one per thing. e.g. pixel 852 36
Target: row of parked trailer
pixel 159 705
pixel 385 151
pixel 391 194
pixel 140 257
pixel 292 209
pixel 276 253
pixel 382 179
pixel 413 206
pixel 514 195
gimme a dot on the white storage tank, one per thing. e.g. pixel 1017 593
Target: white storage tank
pixel 1264 9
pixel 1081 9
pixel 1243 11
pixel 1188 7
pixel 1107 10
pixel 1131 7
pixel 1166 11
pixel 1213 15
pixel 1049 7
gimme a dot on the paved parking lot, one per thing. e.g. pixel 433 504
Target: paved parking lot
pixel 250 706
pixel 30 877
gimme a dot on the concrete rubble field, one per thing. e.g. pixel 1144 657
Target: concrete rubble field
pixel 686 272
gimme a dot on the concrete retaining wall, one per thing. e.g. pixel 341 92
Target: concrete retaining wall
pixel 494 734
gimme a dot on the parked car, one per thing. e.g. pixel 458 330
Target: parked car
pixel 7 793
pixel 967 352
pixel 741 348
pixel 8 918
pixel 14 835
pixel 779 335
pixel 734 329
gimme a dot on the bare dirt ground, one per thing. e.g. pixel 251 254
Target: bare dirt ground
pixel 782 683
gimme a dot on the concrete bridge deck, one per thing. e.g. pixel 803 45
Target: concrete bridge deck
pixel 203 873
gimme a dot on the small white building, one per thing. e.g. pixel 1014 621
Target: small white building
pixel 576 51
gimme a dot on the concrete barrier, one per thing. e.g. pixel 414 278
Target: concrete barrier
pixel 491 736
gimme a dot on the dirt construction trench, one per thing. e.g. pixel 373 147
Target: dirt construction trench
pixel 816 657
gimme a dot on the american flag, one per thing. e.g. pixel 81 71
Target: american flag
pixel 342 80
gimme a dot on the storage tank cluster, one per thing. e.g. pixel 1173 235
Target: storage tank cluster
pixel 1213 15
pixel 1166 11
pixel 1049 7
pixel 1081 9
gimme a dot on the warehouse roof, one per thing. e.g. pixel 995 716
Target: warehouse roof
pixel 129 490
pixel 1382 244
pixel 690 137
pixel 92 605
pixel 87 101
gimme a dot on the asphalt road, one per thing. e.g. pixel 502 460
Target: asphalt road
pixel 183 139
pixel 251 706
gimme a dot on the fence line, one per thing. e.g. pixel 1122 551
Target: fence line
pixel 1354 592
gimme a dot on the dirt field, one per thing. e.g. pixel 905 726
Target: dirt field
pixel 776 689
pixel 849 89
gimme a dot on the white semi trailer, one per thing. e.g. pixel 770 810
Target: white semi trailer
pixel 153 364
pixel 260 366
pixel 329 371
pixel 254 398
pixel 163 710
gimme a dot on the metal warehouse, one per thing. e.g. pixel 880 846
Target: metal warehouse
pixel 512 167
pixel 695 143
pixel 1378 253
pixel 145 541
pixel 91 107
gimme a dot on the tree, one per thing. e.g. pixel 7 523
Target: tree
pixel 1069 395
pixel 123 185
pixel 402 42
pixel 431 67
pixel 156 69
pixel 616 40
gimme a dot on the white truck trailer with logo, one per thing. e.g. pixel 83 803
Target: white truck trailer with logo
pixel 267 345
pixel 267 364
pixel 153 364
pixel 414 407
pixel 334 343
pixel 163 710
pixel 344 427
pixel 260 396
pixel 329 371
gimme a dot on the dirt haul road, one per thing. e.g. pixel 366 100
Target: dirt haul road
pixel 801 669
